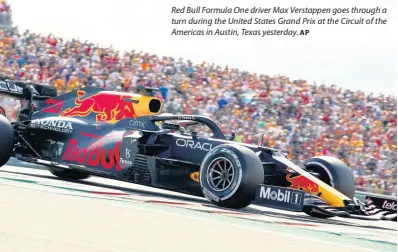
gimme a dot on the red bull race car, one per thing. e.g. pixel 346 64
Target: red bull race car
pixel 96 132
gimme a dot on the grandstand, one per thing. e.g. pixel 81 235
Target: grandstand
pixel 5 15
pixel 303 119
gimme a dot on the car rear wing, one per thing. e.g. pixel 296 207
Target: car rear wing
pixel 25 90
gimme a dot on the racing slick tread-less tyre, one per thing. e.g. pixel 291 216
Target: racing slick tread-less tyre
pixel 334 172
pixel 68 174
pixel 6 140
pixel 229 175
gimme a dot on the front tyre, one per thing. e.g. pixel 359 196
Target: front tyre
pixel 333 172
pixel 6 140
pixel 68 174
pixel 229 175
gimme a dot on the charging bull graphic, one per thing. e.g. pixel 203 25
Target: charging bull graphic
pixel 302 183
pixel 108 106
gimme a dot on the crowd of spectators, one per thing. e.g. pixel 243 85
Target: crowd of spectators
pixel 303 119
pixel 4 6
pixel 5 14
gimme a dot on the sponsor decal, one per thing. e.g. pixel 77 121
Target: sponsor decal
pixel 107 106
pixel 193 144
pixel 186 118
pixel 137 124
pixel 389 205
pixel 233 155
pixel 194 176
pixel 54 106
pixel 94 156
pixel 280 197
pixel 126 162
pixel 11 87
pixel 210 195
pixel 300 182
pixel 127 155
pixel 51 124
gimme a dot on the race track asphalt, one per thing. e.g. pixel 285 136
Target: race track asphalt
pixel 39 212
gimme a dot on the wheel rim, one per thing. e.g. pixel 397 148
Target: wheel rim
pixel 220 174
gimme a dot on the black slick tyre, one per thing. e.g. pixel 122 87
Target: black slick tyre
pixel 333 172
pixel 7 139
pixel 229 174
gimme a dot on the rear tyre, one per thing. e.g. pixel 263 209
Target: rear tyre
pixel 68 174
pixel 7 139
pixel 229 175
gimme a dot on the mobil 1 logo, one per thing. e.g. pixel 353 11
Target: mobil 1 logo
pixel 280 197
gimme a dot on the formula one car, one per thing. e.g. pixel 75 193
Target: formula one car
pixel 122 136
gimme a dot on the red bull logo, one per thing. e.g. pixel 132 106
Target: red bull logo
pixel 93 156
pixel 108 106
pixel 302 183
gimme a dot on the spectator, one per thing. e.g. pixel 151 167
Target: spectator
pixel 305 120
